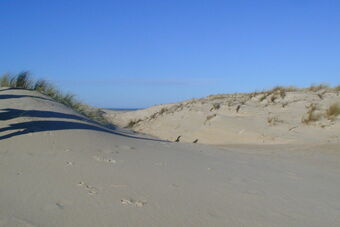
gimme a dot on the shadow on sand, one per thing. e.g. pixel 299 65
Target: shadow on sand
pixel 53 125
pixel 9 114
pixel 24 96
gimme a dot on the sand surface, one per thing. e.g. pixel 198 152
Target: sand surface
pixel 249 118
pixel 59 169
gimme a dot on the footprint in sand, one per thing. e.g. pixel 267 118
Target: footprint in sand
pixel 175 185
pixel 90 189
pixel 107 151
pixel 102 159
pixel 125 147
pixel 292 175
pixel 60 205
pixel 133 203
pixel 69 163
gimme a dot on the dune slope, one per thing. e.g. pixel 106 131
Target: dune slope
pixel 273 117
pixel 57 168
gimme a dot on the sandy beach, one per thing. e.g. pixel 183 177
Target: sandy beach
pixel 58 168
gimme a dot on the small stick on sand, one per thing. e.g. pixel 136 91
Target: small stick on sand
pixel 177 140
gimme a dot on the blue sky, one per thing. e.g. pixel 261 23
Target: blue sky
pixel 140 53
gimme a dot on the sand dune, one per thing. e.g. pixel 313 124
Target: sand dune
pixel 57 168
pixel 292 117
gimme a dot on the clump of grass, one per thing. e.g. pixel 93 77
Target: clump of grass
pixel 312 114
pixel 41 86
pixel 263 97
pixel 333 111
pixel 273 98
pixel 163 110
pixel 132 123
pixel 215 106
pixel 279 90
pixel 209 117
pixel 5 80
pixel 319 87
pixel 274 120
pixel 253 94
pixel 24 81
pixel 337 88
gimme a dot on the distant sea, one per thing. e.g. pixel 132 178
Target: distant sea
pixel 123 109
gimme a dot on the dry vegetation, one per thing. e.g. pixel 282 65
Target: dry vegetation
pixel 132 123
pixel 312 114
pixel 315 114
pixel 273 120
pixel 209 117
pixel 333 111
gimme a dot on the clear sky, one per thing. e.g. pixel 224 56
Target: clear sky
pixel 137 53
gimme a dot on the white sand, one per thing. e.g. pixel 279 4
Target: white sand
pixel 74 173
pixel 215 119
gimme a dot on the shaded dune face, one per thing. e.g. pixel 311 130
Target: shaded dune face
pixel 42 126
pixel 70 121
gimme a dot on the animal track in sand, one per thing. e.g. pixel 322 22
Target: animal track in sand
pixel 90 189
pixel 102 159
pixel 133 203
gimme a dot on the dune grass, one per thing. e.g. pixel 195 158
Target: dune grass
pixel 333 111
pixel 132 123
pixel 312 114
pixel 24 81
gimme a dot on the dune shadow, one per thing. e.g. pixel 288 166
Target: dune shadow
pixel 24 96
pixel 10 113
pixel 41 126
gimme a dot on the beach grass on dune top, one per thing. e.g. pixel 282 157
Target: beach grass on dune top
pixel 24 81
